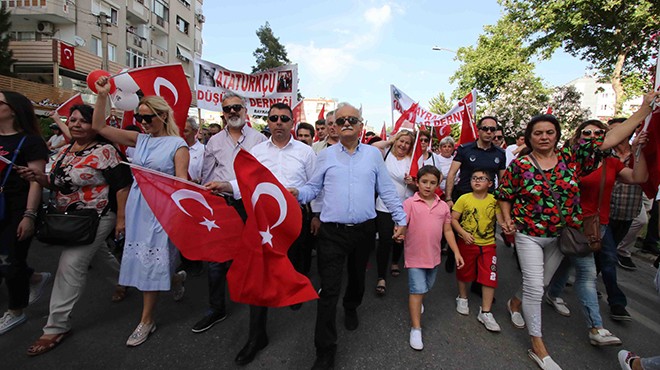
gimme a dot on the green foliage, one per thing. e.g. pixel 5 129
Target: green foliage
pixel 271 53
pixel 499 57
pixel 44 126
pixel 440 104
pixel 612 35
pixel 6 55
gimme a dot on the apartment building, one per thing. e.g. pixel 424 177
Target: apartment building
pixel 140 33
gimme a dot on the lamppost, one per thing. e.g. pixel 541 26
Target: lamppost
pixel 437 48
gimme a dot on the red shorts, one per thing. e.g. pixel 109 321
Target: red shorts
pixel 480 264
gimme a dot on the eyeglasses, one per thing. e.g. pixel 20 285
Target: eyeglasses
pixel 499 137
pixel 595 132
pixel 424 140
pixel 144 117
pixel 480 179
pixel 488 128
pixel 352 120
pixel 282 118
pixel 236 108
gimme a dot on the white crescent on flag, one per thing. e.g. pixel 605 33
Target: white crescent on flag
pixel 164 82
pixel 275 192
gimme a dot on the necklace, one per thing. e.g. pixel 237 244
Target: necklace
pixel 83 149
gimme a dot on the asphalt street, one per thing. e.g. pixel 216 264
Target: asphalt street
pixel 452 341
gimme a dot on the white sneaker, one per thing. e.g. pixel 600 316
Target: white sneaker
pixel 462 306
pixel 625 359
pixel 37 289
pixel 416 339
pixel 178 290
pixel 8 321
pixel 545 363
pixel 489 321
pixel 603 337
pixel 558 304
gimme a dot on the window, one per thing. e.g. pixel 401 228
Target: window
pixel 186 3
pixel 181 25
pixel 95 47
pixel 183 54
pixel 161 9
pixel 135 59
pixel 112 53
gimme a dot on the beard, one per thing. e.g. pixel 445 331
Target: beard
pixel 235 121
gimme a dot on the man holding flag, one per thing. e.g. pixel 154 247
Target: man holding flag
pixel 350 174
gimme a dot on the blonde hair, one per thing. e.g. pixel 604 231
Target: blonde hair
pixel 401 134
pixel 158 105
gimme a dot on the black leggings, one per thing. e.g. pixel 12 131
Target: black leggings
pixel 385 228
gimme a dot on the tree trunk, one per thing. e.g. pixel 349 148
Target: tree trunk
pixel 616 83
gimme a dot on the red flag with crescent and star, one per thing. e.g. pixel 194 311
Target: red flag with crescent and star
pixel 261 274
pixel 201 225
pixel 169 82
pixel 67 59
pixel 468 129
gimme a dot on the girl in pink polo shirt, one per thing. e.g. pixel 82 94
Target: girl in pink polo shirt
pixel 426 212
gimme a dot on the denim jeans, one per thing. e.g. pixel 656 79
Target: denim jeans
pixel 585 286
pixel 606 261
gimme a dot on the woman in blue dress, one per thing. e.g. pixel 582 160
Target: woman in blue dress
pixel 149 258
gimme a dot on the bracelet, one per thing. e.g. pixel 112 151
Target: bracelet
pixel 31 215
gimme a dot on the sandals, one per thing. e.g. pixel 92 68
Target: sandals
pixel 395 271
pixel 381 289
pixel 43 345
pixel 119 294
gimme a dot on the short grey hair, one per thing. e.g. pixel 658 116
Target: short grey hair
pixel 447 140
pixel 231 94
pixel 193 123
pixel 345 104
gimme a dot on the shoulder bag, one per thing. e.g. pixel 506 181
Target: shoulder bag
pixel 70 228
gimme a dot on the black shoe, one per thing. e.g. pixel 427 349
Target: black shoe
pixel 210 319
pixel 295 307
pixel 619 313
pixel 351 319
pixel 324 361
pixel 651 250
pixel 250 350
pixel 627 263
pixel 195 268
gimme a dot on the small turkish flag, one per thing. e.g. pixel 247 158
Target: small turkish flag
pixel 321 113
pixel 383 132
pixel 66 56
pixel 468 131
pixel 416 157
pixel 170 83
pixel 442 132
pixel 65 108
pixel 409 115
pixel 548 110
pixel 652 155
pixel 201 225
pixel 261 274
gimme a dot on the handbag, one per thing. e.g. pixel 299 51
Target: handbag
pixel 571 241
pixel 3 202
pixel 70 228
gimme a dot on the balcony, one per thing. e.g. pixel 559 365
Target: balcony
pixel 50 11
pixel 136 41
pixel 137 11
pixel 159 54
pixel 160 24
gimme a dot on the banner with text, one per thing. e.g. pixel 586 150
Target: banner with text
pixel 260 90
pixel 401 102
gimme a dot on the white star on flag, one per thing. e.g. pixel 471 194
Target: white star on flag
pixel 266 237
pixel 210 224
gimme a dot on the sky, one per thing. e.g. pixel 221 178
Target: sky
pixel 353 50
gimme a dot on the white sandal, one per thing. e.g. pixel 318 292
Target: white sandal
pixel 547 363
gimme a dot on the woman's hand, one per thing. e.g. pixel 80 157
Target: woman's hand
pixel 102 85
pixel 651 97
pixel 408 180
pixel 120 228
pixel 640 140
pixel 32 174
pixel 25 229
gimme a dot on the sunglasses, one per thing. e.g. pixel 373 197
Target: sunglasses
pixel 480 179
pixel 595 132
pixel 499 137
pixel 144 117
pixel 424 140
pixel 352 120
pixel 282 118
pixel 236 108
pixel 488 128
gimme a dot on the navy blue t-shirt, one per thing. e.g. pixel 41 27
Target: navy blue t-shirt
pixel 472 157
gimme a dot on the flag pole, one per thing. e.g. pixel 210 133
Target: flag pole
pixel 145 169
pixel 656 87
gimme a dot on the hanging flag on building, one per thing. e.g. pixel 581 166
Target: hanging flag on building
pixel 67 56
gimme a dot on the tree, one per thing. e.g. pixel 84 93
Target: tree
pixel 517 101
pixel 614 36
pixel 565 103
pixel 6 55
pixel 271 53
pixel 439 104
pixel 498 58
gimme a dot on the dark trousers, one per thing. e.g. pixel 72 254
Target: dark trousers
pixel 619 229
pixel 340 245
pixel 386 245
pixel 300 252
pixel 16 272
pixel 606 261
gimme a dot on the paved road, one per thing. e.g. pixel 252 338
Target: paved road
pixel 452 341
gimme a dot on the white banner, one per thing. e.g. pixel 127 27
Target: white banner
pixel 260 90
pixel 401 102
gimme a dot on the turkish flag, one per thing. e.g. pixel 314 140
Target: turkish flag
pixel 66 56
pixel 416 157
pixel 4 162
pixel 322 113
pixel 410 116
pixel 383 132
pixel 261 274
pixel 201 225
pixel 65 108
pixel 548 110
pixel 652 155
pixel 169 82
pixel 363 138
pixel 442 132
pixel 468 129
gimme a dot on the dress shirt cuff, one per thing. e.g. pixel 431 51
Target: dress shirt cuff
pixel 235 189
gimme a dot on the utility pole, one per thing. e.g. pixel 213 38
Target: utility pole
pixel 103 23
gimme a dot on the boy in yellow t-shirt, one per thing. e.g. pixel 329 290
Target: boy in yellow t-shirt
pixel 473 220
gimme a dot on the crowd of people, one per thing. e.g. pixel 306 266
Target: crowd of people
pixel 356 196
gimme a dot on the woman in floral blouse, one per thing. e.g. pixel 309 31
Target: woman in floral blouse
pixel 530 210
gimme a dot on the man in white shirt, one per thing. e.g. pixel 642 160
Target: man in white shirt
pixel 513 150
pixel 195 148
pixel 333 133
